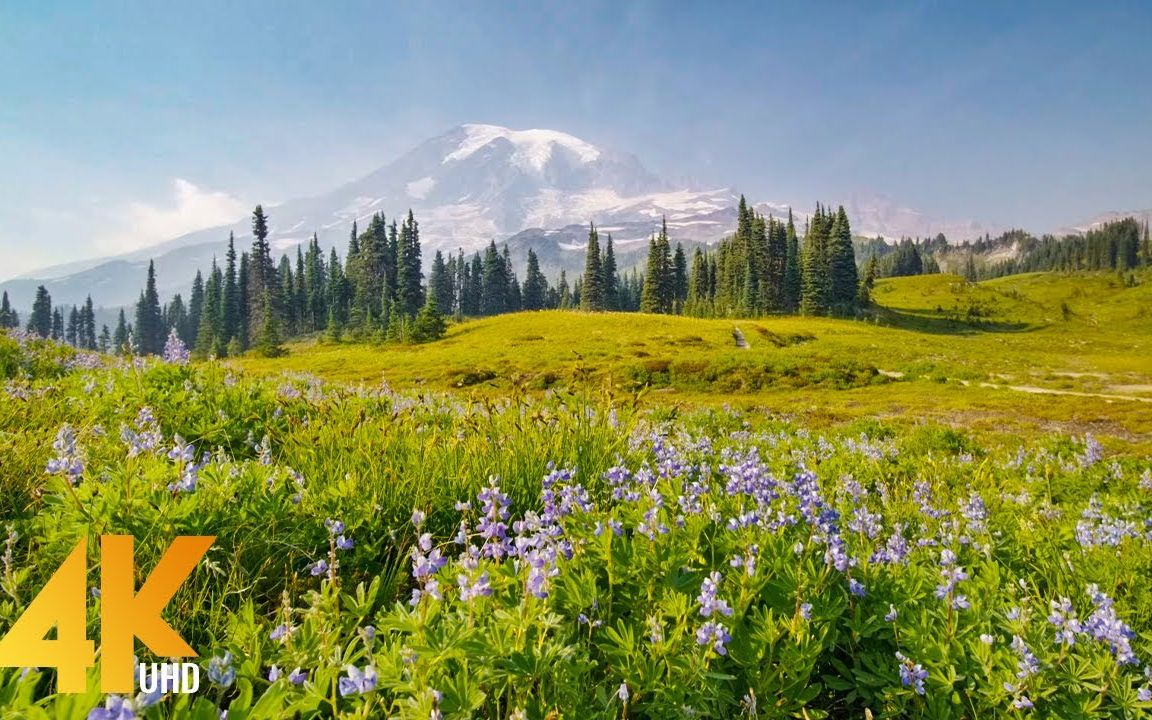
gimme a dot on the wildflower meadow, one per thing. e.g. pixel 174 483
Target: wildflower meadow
pixel 575 553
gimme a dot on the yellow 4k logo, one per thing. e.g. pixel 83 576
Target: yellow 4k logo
pixel 125 615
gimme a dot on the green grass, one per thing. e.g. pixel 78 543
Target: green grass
pixel 641 500
pixel 937 348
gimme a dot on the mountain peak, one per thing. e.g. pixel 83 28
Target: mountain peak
pixel 532 148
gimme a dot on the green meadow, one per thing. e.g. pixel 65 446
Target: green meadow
pixel 1027 354
pixel 942 511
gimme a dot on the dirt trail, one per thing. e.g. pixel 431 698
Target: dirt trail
pixel 1052 391
pixel 1032 389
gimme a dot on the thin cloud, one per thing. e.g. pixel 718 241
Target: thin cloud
pixel 138 224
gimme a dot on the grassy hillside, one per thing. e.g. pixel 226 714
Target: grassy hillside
pixel 1068 353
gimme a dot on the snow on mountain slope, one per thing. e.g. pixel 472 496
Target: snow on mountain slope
pixel 533 147
pixel 1142 216
pixel 471 185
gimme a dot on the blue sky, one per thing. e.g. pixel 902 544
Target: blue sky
pixel 126 123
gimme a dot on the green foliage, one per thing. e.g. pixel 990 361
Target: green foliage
pixel 592 292
pixel 828 550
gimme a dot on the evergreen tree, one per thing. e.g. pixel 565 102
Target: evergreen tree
pixel 72 328
pixel 8 315
pixel 844 281
pixel 699 297
pixel 659 277
pixel 409 294
pixel 429 324
pixel 563 292
pixel 337 298
pixel 868 281
pixel 440 283
pixel 230 299
pixel 175 317
pixel 195 310
pixel 149 325
pixel 592 285
pixel 238 342
pixel 650 297
pixel 57 325
pixel 494 289
pixel 104 342
pixel 679 280
pixel 791 280
pixel 814 292
pixel 611 278
pixel 210 338
pixel 120 339
pixel 300 295
pixel 40 321
pixel 269 342
pixel 286 281
pixel 535 285
pixel 263 289
pixel 512 302
pixel 477 273
pixel 315 282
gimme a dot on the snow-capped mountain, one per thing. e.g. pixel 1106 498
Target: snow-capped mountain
pixel 874 214
pixel 469 186
pixel 1142 216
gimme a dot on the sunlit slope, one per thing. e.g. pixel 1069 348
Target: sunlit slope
pixel 1002 356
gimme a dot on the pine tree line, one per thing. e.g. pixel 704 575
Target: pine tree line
pixel 251 301
pixel 762 268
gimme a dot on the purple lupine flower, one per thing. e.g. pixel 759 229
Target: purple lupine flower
pixel 175 351
pixel 472 589
pixel 181 451
pixel 715 635
pixel 343 542
pixel 1028 664
pixel 280 632
pixel 274 673
pixel 1063 617
pixel 747 560
pixel 145 700
pixel 1106 627
pixel 1022 703
pixel 493 527
pixel 115 708
pixel 1093 452
pixel 1097 528
pixel 709 601
pixel 806 611
pixel 146 437
pixel 1144 694
pixel 418 518
pixel 856 588
pixel 320 567
pixel 622 692
pixel 356 681
pixel 298 676
pixel 952 575
pixel 426 562
pixel 68 457
pixel 892 613
pixel 335 527
pixel 221 671
pixel 912 674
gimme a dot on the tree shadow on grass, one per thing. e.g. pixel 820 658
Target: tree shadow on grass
pixel 950 325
